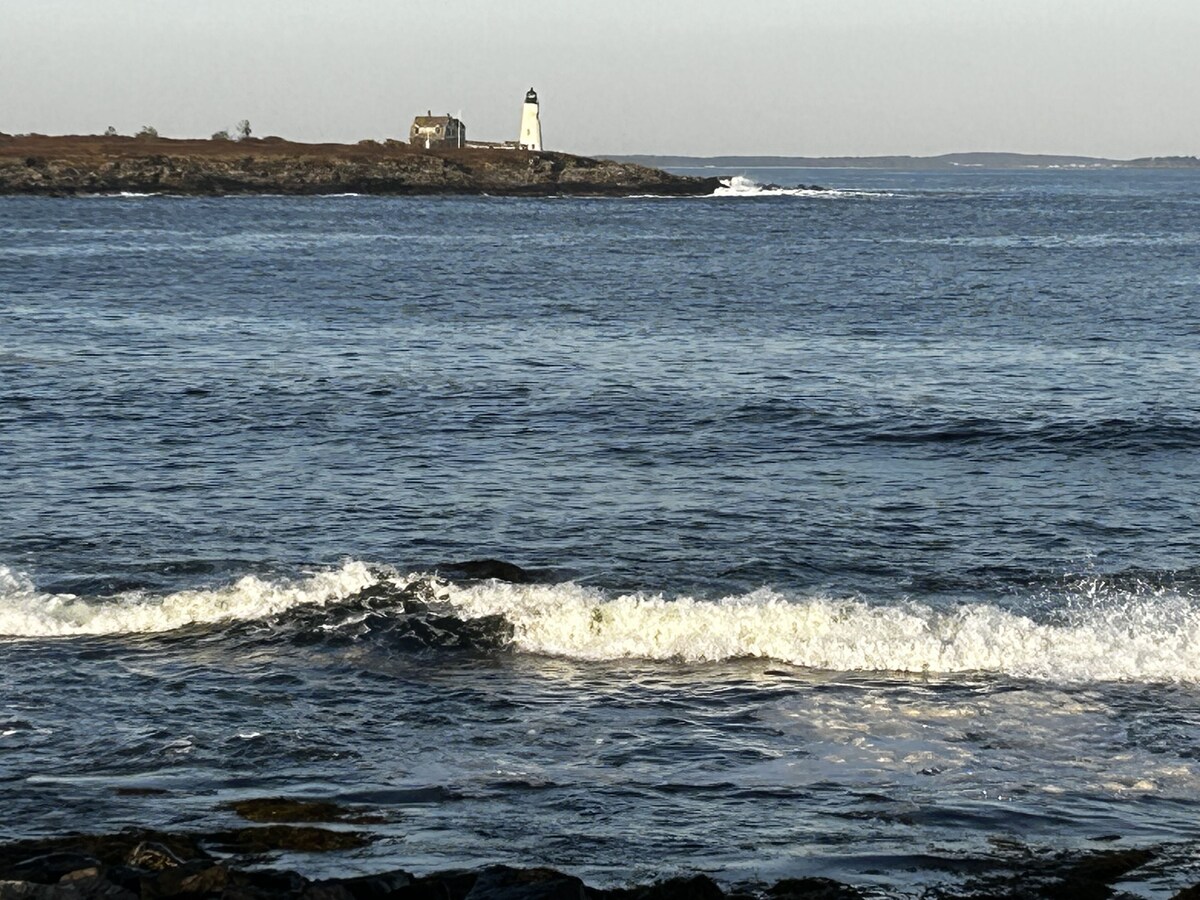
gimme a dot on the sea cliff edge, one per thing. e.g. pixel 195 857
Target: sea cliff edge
pixel 74 165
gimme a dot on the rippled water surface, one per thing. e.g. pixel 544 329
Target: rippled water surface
pixel 863 526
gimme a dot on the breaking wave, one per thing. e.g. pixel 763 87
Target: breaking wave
pixel 741 186
pixel 1136 638
pixel 1096 631
pixel 27 612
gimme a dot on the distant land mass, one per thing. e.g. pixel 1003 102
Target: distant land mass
pixel 945 161
pixel 93 164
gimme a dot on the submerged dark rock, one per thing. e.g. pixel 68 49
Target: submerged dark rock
pixel 305 838
pixel 489 568
pixel 1061 876
pixel 290 809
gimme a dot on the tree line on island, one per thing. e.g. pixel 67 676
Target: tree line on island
pixel 241 132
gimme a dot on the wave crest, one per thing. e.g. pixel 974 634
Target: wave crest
pixel 1141 639
pixel 27 612
pixel 1092 630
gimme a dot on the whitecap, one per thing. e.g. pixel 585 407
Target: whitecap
pixel 741 186
pixel 27 612
pixel 1143 638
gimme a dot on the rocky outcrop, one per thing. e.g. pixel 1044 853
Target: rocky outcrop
pixel 60 166
pixel 139 864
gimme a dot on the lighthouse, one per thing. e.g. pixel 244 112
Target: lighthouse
pixel 531 125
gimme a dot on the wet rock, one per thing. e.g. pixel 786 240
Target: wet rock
pixel 152 856
pixel 91 884
pixel 1062 876
pixel 93 887
pixel 263 884
pixel 450 885
pixel 29 890
pixel 505 883
pixel 125 877
pixel 196 878
pixel 366 887
pixel 488 568
pixel 697 887
pixel 1109 865
pixel 813 889
pixel 325 890
pixel 1089 877
pixel 421 632
pixel 303 838
pixel 82 874
pixel 115 849
pixel 286 809
pixel 48 868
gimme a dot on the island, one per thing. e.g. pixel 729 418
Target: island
pixel 94 164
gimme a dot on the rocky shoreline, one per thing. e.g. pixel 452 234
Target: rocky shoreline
pixel 236 864
pixel 72 165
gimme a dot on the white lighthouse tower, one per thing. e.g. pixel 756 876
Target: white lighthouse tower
pixel 531 125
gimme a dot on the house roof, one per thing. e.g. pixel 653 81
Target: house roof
pixel 424 121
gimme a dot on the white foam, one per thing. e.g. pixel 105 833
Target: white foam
pixel 27 612
pixel 741 186
pixel 1090 632
pixel 1143 639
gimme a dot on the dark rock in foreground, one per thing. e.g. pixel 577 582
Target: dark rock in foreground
pixel 148 865
pixel 58 166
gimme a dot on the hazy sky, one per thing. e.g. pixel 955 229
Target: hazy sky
pixel 802 77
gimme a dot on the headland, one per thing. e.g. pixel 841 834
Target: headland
pixel 94 164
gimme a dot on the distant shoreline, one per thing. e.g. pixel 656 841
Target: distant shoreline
pixel 946 161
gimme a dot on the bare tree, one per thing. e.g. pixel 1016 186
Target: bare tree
pixel 243 129
pixel 147 131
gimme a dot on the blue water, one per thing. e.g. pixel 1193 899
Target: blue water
pixel 864 525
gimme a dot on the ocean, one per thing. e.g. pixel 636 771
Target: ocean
pixel 861 526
